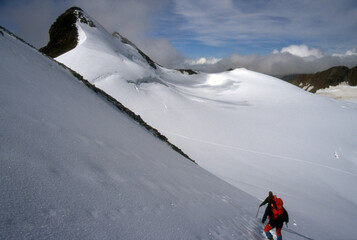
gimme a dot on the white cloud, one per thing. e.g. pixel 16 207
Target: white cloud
pixel 301 51
pixel 348 53
pixel 298 60
pixel 202 61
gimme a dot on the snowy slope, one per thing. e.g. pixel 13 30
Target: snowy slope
pixel 254 131
pixel 342 91
pixel 74 167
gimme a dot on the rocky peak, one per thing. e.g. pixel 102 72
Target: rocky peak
pixel 63 32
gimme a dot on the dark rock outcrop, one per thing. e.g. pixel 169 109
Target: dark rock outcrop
pixel 127 41
pixel 63 32
pixel 321 80
pixel 189 71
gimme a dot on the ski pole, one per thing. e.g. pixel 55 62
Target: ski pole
pixel 257 212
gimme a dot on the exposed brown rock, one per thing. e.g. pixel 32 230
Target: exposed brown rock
pixel 63 32
pixel 330 77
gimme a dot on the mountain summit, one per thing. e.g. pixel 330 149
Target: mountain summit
pixel 64 34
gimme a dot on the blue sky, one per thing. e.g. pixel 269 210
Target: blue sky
pixel 257 27
pixel 234 32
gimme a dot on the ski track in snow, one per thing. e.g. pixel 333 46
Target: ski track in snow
pixel 104 77
pixel 263 153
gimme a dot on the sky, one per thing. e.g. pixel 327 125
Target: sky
pixel 271 36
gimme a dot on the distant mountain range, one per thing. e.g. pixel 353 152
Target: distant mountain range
pixel 321 80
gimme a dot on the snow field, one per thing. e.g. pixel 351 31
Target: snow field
pixel 254 131
pixel 74 167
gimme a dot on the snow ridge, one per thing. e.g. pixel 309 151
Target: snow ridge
pixel 113 101
pixel 74 167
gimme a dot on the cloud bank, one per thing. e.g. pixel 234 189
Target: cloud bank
pixel 301 51
pixel 293 59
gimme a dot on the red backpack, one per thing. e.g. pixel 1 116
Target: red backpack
pixel 277 208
